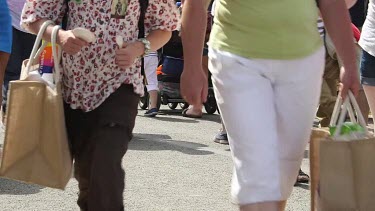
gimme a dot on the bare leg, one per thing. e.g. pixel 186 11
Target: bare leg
pixel 153 98
pixel 370 94
pixel 194 110
pixel 223 129
pixel 264 206
pixel 4 57
pixel 363 104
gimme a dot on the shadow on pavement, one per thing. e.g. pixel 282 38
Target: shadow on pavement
pixel 168 115
pixel 11 187
pixel 171 119
pixel 303 186
pixel 157 142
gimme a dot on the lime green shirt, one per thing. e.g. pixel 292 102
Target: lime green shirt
pixel 266 29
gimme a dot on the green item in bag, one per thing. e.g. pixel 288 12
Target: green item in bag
pixel 347 128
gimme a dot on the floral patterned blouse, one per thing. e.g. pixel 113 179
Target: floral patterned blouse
pixel 91 76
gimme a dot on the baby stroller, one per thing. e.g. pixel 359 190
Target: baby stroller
pixel 169 74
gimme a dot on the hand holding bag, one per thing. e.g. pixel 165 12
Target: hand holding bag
pixel 342 169
pixel 36 147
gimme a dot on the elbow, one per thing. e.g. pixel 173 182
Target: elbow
pixel 165 37
pixel 168 35
pixel 31 28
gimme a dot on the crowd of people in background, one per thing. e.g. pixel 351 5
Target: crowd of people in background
pixel 279 70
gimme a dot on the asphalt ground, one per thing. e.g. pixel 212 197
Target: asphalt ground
pixel 172 164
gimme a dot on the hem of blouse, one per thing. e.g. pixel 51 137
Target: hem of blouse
pixel 100 102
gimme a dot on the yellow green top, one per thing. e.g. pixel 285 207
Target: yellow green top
pixel 266 29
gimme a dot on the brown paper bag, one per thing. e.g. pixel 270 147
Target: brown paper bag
pixel 316 136
pixel 36 147
pixel 342 171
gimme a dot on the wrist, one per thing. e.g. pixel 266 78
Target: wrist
pixel 146 46
pixel 60 35
pixel 139 48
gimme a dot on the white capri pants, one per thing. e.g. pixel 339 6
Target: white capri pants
pixel 151 63
pixel 268 108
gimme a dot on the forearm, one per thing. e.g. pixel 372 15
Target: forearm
pixel 35 27
pixel 4 57
pixel 193 29
pixel 336 19
pixel 158 38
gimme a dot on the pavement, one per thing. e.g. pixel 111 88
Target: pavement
pixel 172 164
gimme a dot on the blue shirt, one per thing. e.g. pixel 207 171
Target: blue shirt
pixel 5 27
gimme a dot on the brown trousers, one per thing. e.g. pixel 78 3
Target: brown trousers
pixel 329 90
pixel 99 140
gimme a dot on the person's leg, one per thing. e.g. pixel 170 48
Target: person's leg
pixel 368 79
pixel 222 136
pixel 151 63
pixel 327 102
pixel 297 95
pixel 329 90
pixel 79 125
pixel 115 123
pixel 264 206
pixel 363 104
pixel 370 95
pixel 279 140
pixel 153 98
pixel 253 143
pixel 195 111
pixel 99 139
pixel 21 49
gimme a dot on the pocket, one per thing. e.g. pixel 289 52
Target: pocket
pixel 220 61
pixel 120 109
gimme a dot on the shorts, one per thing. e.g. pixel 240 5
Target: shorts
pixel 367 69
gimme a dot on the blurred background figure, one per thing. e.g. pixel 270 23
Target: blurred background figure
pixel 5 41
pixel 22 45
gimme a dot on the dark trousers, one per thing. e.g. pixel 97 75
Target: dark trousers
pixel 99 140
pixel 21 49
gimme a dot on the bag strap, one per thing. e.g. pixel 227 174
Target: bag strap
pixel 141 27
pixel 347 106
pixel 36 50
pixel 56 52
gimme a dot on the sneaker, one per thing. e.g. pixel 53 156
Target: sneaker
pixel 151 112
pixel 221 138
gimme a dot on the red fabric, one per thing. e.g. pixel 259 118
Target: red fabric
pixel 356 32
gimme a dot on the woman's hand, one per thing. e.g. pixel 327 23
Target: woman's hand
pixel 349 81
pixel 70 43
pixel 127 55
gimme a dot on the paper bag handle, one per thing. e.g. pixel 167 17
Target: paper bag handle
pixel 36 50
pixel 338 121
pixel 56 52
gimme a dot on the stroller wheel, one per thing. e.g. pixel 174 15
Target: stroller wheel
pixel 172 105
pixel 159 101
pixel 210 106
pixel 184 105
pixel 144 101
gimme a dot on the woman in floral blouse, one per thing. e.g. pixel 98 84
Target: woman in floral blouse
pixel 102 84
